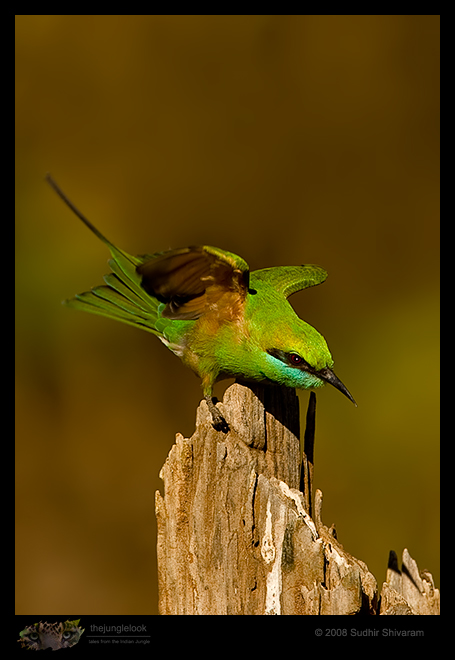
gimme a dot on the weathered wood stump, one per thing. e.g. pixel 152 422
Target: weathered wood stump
pixel 408 591
pixel 235 535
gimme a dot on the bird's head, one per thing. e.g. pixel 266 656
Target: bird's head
pixel 293 353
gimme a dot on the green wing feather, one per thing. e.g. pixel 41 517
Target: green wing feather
pixel 289 279
pixel 153 291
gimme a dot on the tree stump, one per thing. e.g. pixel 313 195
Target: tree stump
pixel 408 591
pixel 235 535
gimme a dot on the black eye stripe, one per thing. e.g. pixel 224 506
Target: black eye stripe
pixel 291 359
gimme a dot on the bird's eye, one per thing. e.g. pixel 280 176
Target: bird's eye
pixel 296 360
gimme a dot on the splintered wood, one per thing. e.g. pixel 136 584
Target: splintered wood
pixel 235 535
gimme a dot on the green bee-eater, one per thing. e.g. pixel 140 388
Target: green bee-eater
pixel 216 316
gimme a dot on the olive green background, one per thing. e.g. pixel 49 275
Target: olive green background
pixel 286 140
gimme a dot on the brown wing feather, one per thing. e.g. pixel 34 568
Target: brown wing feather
pixel 190 280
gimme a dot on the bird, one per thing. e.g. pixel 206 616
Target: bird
pixel 219 318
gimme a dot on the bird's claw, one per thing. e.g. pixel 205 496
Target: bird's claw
pixel 218 421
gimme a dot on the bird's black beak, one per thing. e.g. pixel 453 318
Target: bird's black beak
pixel 329 377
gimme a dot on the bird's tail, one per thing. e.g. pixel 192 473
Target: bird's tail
pixel 122 298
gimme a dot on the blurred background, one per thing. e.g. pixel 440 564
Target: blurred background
pixel 286 140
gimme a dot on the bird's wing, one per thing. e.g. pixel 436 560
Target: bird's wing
pixel 190 280
pixel 289 279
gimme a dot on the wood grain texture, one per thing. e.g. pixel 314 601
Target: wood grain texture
pixel 235 535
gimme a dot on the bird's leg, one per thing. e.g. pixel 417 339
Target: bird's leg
pixel 219 423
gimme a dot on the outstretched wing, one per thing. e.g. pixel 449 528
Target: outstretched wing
pixel 289 279
pixel 191 280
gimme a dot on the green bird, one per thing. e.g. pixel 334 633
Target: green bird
pixel 221 320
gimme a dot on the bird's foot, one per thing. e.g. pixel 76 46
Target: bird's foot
pixel 218 421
